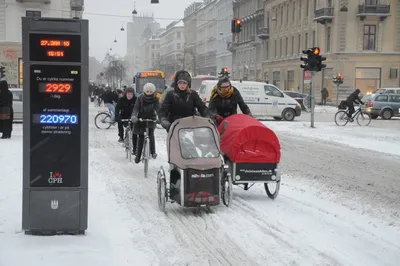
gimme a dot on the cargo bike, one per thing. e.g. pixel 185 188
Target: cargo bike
pixel 252 152
pixel 197 174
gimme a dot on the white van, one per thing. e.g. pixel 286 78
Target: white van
pixel 264 100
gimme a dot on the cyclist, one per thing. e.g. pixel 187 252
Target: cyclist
pixel 146 107
pixel 123 110
pixel 224 100
pixel 353 98
pixel 181 101
pixel 109 98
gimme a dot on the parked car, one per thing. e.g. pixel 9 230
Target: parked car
pixel 383 105
pixel 17 104
pixel 299 97
pixel 388 90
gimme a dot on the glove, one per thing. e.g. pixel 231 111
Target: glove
pixel 134 119
pixel 165 124
pixel 219 119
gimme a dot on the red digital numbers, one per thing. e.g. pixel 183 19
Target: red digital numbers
pixel 55 53
pixel 58 88
pixel 55 43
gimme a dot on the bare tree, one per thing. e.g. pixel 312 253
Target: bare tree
pixel 115 72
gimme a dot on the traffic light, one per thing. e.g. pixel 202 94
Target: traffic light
pixel 238 25
pixel 224 72
pixel 233 26
pixel 313 61
pixel 154 2
pixel 338 79
pixel 2 72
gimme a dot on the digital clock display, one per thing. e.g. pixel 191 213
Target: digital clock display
pixel 55 47
pixel 55 119
pixel 55 43
pixel 56 87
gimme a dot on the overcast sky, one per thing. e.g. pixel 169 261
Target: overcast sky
pixel 107 16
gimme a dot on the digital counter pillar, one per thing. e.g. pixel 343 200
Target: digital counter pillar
pixel 55 126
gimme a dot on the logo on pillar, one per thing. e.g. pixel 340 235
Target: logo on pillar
pixel 54 204
pixel 55 177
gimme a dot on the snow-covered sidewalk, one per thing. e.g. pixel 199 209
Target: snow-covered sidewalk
pixel 384 140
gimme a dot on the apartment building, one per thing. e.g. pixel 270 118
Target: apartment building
pixel 206 44
pixel 190 35
pixel 149 58
pixel 171 49
pixel 224 34
pixel 248 48
pixel 361 40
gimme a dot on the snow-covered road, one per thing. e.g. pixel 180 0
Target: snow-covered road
pixel 312 222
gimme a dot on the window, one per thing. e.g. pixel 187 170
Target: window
pixel 307 7
pixel 197 143
pixel 276 78
pixel 280 47
pixel 33 13
pixel 17 96
pixel 395 98
pixel 294 11
pixel 381 98
pixel 287 13
pixel 315 5
pixel 328 39
pixel 300 7
pixel 371 2
pixel 281 15
pixel 275 45
pixel 369 37
pixel 290 80
pixel 306 40
pixel 292 44
pixel 389 91
pixel 286 46
pixel 178 35
pixel 272 91
pixel 313 38
pixel 178 46
pixel 398 91
pixel 299 43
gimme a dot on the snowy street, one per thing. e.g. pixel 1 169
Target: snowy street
pixel 338 205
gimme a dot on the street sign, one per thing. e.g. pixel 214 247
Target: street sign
pixel 55 132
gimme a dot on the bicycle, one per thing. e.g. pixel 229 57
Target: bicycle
pixel 146 145
pixel 359 115
pixel 103 118
pixel 128 141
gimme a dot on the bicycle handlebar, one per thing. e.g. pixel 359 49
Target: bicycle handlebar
pixel 125 120
pixel 147 120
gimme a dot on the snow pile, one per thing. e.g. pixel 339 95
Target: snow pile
pixel 384 140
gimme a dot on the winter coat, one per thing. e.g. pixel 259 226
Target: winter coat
pixel 178 104
pixel 124 107
pixel 324 93
pixel 228 106
pixel 109 97
pixel 146 107
pixel 354 98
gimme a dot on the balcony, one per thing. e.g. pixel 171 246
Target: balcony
pixel 381 11
pixel 77 5
pixel 324 15
pixel 35 1
pixel 263 33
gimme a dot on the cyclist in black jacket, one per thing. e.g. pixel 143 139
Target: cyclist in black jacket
pixel 123 110
pixel 353 98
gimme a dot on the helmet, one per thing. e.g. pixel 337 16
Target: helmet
pixel 149 88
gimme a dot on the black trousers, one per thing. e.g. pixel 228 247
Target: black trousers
pixel 323 101
pixel 7 125
pixel 351 110
pixel 141 143
pixel 121 134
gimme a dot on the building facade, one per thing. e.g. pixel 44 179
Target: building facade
pixel 190 35
pixel 248 49
pixel 172 41
pixel 206 45
pixel 353 35
pixel 224 35
pixel 138 31
pixel 150 54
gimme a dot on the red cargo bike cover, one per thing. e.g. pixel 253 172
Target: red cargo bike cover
pixel 246 140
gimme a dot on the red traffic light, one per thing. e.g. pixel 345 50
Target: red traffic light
pixel 238 21
pixel 339 75
pixel 225 70
pixel 316 50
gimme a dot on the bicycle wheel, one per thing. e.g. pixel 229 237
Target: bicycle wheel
pixel 363 119
pixel 146 156
pixel 102 119
pixel 341 118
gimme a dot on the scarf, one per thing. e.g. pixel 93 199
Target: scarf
pixel 222 93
